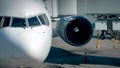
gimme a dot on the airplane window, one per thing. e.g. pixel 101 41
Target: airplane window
pixel 33 21
pixel 44 20
pixel 0 18
pixel 4 21
pixel 18 22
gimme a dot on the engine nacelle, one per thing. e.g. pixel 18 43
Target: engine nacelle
pixel 75 30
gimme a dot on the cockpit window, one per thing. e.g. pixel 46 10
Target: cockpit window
pixel 4 21
pixel 18 22
pixel 33 21
pixel 0 18
pixel 44 20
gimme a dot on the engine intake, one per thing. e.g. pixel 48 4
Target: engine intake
pixel 75 30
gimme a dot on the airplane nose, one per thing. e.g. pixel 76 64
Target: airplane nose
pixel 36 45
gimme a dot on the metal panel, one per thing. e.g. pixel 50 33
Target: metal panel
pixel 67 7
pixel 55 8
pixel 100 25
pixel 103 6
pixel 81 7
pixel 116 25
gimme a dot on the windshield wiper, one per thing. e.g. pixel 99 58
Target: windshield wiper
pixel 2 22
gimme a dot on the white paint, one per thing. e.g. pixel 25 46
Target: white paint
pixel 24 45
pixel 20 8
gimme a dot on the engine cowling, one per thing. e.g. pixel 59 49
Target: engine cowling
pixel 75 30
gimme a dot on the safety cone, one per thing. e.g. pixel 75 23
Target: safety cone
pixel 85 57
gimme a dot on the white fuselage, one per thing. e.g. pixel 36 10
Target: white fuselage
pixel 26 46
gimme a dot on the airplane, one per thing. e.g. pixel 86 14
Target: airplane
pixel 26 33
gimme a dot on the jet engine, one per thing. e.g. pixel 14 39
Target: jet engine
pixel 75 30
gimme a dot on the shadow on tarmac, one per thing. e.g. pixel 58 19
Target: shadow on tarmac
pixel 60 56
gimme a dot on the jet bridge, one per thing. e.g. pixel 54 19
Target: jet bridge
pixel 107 23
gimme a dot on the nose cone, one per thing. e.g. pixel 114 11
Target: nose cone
pixel 36 45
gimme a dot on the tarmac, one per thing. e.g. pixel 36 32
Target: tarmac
pixel 63 55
